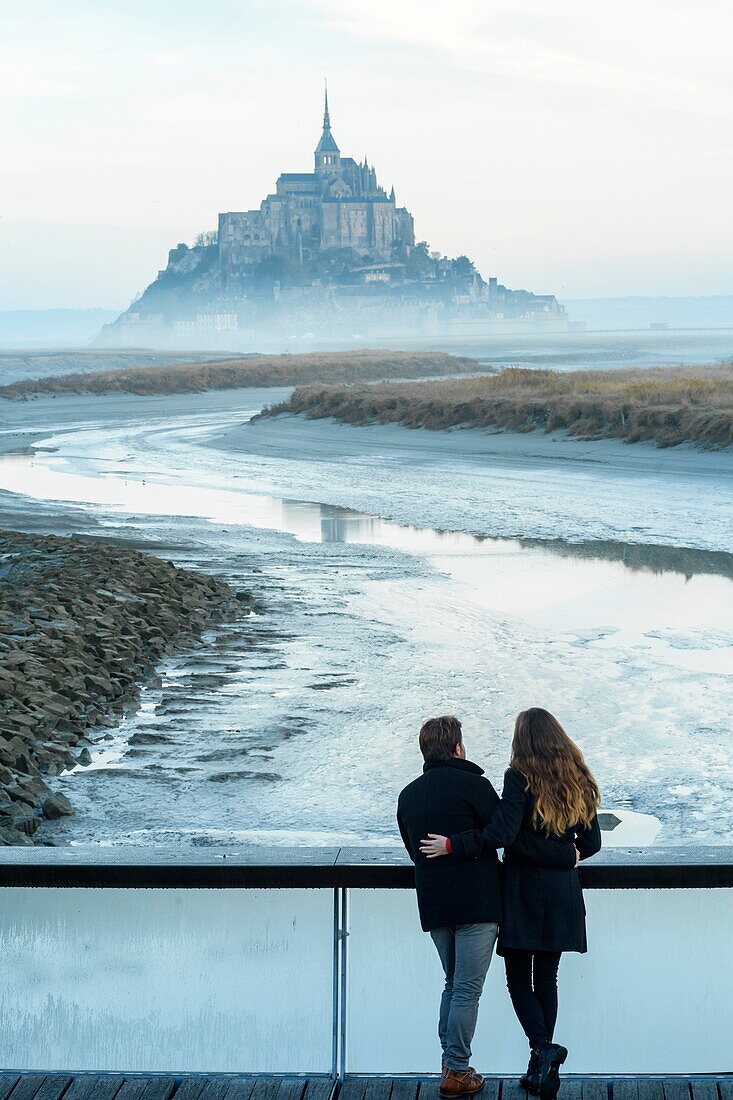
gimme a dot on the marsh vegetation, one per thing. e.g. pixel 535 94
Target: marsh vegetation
pixel 668 406
pixel 248 371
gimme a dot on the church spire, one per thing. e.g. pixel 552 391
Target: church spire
pixel 327 154
pixel 326 115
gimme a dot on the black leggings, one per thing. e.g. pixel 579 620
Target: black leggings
pixel 531 978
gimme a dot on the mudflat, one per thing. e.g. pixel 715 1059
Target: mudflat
pixel 83 625
pixel 619 589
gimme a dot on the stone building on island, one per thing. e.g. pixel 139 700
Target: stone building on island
pixel 328 254
pixel 337 206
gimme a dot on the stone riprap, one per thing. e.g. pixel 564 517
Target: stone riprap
pixel 83 625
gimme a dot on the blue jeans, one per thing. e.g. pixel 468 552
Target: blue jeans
pixel 465 953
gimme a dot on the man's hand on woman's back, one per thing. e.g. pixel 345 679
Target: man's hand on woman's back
pixel 434 845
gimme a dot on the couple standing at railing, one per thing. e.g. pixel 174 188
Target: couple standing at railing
pixel 452 822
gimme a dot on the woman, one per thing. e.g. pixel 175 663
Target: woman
pixel 543 910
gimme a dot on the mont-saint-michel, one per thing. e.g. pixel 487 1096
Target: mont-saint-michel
pixel 330 253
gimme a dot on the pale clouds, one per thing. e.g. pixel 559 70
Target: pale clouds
pixel 573 43
pixel 570 147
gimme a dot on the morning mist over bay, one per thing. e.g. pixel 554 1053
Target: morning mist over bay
pixel 366 550
pixel 424 368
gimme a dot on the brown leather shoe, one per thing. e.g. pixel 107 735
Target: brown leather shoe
pixel 453 1083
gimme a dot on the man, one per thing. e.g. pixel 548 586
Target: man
pixel 459 901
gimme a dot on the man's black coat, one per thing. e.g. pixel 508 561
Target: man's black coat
pixel 453 797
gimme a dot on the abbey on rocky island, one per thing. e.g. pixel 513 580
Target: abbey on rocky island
pixel 339 205
pixel 329 254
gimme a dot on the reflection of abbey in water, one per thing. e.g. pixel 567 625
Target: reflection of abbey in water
pixel 343 525
pixel 327 253
pixel 314 522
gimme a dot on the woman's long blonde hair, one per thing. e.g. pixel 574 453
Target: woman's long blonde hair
pixel 564 791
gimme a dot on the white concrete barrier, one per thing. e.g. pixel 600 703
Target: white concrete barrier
pixel 154 964
pixel 653 994
pixel 170 980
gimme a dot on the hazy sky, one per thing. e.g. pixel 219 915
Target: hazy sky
pixel 568 146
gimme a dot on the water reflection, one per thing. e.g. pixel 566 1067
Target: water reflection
pixel 673 603
pixel 633 641
pixel 328 523
pixel 643 557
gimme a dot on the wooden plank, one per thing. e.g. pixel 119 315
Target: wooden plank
pixel 725 1088
pixel 595 1090
pixel 240 1089
pixel 190 1088
pixel 132 1088
pixel 626 1088
pixel 8 1081
pixel 429 1090
pixel 404 1090
pixel 512 1090
pixel 675 1088
pixel 353 1088
pixel 159 1088
pixel 705 1089
pixel 378 1088
pixel 28 1086
pixel 651 1090
pixel 291 1089
pixel 571 1090
pixel 106 1088
pixel 215 1088
pixel 54 1087
pixel 81 1087
pixel 320 1088
pixel 264 1089
pixel 491 1089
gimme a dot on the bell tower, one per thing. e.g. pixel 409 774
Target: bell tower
pixel 327 154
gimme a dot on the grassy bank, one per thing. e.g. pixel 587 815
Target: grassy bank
pixel 261 370
pixel 668 406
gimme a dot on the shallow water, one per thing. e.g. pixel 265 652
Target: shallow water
pixel 601 589
pixel 596 350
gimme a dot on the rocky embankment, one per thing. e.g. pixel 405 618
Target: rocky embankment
pixel 83 625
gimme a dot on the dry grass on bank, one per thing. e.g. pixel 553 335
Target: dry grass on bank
pixel 261 370
pixel 667 405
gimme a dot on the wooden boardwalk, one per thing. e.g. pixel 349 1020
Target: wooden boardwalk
pixel 572 1088
pixel 108 1086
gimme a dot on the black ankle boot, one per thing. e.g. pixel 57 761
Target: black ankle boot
pixel 530 1080
pixel 551 1057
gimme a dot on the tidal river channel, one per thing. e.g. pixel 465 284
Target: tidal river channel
pixel 396 574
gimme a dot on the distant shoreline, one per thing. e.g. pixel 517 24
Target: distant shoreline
pixel 248 371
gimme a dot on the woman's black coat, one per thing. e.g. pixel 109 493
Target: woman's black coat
pixel 454 796
pixel 543 908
